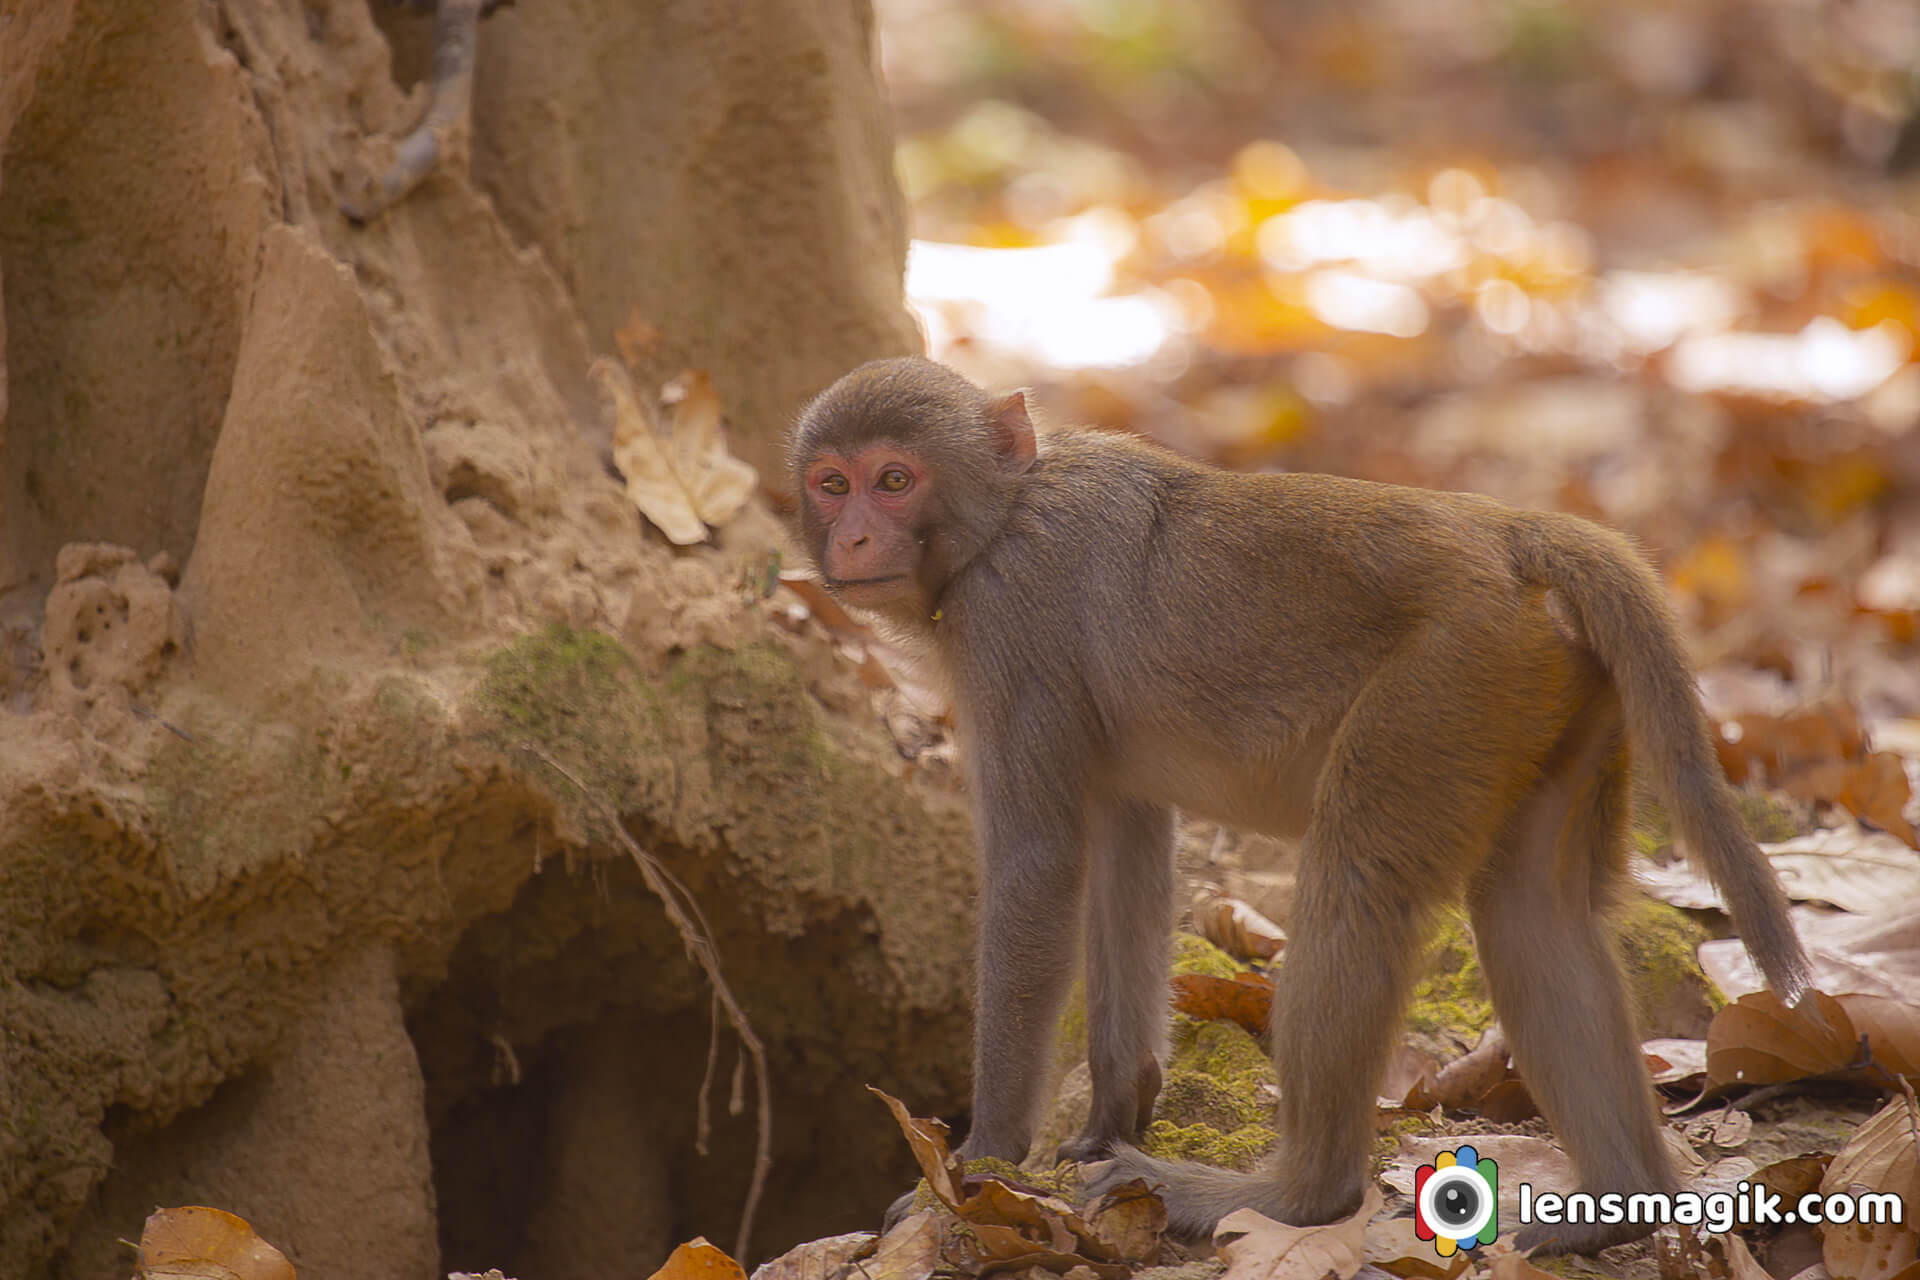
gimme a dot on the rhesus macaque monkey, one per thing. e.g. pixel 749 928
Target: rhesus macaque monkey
pixel 1435 691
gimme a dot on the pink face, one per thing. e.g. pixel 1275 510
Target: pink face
pixel 869 506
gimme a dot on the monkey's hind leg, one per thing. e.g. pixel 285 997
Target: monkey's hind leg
pixel 1539 920
pixel 1130 905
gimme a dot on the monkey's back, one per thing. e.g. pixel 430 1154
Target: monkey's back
pixel 1112 542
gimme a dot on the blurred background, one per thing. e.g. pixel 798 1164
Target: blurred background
pixel 1652 262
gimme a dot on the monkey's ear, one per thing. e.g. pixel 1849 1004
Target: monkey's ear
pixel 1012 431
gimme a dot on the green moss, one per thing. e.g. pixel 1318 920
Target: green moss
pixel 1239 1149
pixel 1451 998
pixel 1194 1097
pixel 1223 1050
pixel 578 697
pixel 1192 954
pixel 1768 816
pixel 1660 946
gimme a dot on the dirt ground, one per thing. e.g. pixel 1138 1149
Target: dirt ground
pixel 306 530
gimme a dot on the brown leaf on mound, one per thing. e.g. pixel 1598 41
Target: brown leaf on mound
pixel 1245 998
pixel 194 1242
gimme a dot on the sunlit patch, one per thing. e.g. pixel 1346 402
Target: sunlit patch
pixel 1502 306
pixel 1049 302
pixel 1653 309
pixel 1406 243
pixel 1824 361
pixel 1345 300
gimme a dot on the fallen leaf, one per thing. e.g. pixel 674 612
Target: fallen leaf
pixel 1258 1248
pixel 1847 866
pixel 1463 1082
pixel 928 1140
pixel 1235 926
pixel 1876 790
pixel 1758 1040
pixel 1883 1155
pixel 682 478
pixel 1673 1060
pixel 1793 1177
pixel 1394 1248
pixel 1741 1264
pixel 816 1259
pixel 1245 998
pixel 699 1260
pixel 911 1251
pixel 1892 1029
pixel 194 1242
pixel 1865 955
pixel 1510 1264
pixel 1131 1219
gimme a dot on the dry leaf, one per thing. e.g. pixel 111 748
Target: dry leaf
pixel 928 1139
pixel 1464 1081
pixel 682 478
pixel 911 1251
pixel 1865 955
pixel 1758 1040
pixel 1234 926
pixel 1882 1156
pixel 1393 1247
pixel 194 1242
pixel 816 1259
pixel 1506 1263
pixel 1245 998
pixel 1852 868
pixel 1892 1029
pixel 1673 1060
pixel 1130 1220
pixel 1258 1248
pixel 1741 1264
pixel 1725 1128
pixel 699 1260
pixel 1793 1177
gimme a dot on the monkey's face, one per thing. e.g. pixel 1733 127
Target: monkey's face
pixel 862 518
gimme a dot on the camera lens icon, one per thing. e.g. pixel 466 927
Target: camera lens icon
pixel 1455 1200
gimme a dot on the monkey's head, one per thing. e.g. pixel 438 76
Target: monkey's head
pixel 905 471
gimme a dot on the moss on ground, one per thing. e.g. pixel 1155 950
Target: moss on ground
pixel 578 697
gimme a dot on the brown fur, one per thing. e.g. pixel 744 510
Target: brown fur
pixel 1380 670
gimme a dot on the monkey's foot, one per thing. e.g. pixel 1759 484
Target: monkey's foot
pixel 1088 1147
pixel 1197 1195
pixel 1584 1237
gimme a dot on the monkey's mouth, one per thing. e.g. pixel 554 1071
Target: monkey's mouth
pixel 870 591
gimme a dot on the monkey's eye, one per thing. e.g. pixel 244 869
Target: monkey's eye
pixel 833 484
pixel 895 479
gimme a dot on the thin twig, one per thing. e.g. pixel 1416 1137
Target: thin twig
pixel 685 915
pixel 703 1117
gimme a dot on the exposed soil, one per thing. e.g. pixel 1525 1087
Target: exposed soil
pixel 305 531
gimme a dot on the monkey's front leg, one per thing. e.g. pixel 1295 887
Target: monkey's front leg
pixel 1032 850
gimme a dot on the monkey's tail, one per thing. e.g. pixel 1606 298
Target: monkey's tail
pixel 1624 615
